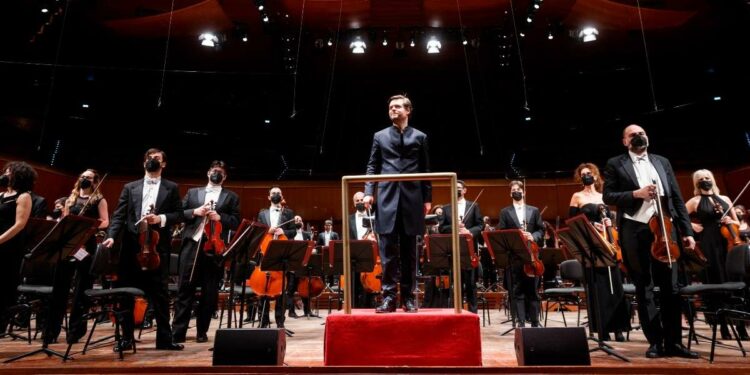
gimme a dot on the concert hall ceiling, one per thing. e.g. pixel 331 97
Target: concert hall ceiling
pixel 514 90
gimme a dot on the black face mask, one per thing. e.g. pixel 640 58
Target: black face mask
pixel 639 141
pixel 705 185
pixel 4 181
pixel 516 195
pixel 85 183
pixel 56 213
pixel 740 216
pixel 460 193
pixel 587 180
pixel 153 165
pixel 359 206
pixel 275 198
pixel 298 225
pixel 216 177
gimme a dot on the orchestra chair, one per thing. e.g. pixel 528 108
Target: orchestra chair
pixel 733 296
pixel 570 270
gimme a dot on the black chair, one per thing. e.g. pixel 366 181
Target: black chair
pixel 570 270
pixel 731 294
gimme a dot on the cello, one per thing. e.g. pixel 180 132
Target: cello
pixel 310 286
pixel 268 283
pixel 148 239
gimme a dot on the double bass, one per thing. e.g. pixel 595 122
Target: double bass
pixel 148 239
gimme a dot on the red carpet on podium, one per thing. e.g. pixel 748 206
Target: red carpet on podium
pixel 431 337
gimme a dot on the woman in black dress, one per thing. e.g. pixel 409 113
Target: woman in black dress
pixel 615 312
pixel 16 182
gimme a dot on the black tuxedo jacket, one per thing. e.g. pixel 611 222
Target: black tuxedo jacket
pixel 534 224
pixel 128 212
pixel 264 216
pixel 472 219
pixel 321 240
pixel 620 181
pixel 353 226
pixel 227 206
pixel 396 153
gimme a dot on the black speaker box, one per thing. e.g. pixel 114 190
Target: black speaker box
pixel 249 346
pixel 552 346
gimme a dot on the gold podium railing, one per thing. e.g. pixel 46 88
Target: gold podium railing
pixel 345 196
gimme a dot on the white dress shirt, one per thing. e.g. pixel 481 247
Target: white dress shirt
pixel 361 230
pixel 646 174
pixel 212 195
pixel 520 213
pixel 275 214
pixel 461 207
pixel 150 192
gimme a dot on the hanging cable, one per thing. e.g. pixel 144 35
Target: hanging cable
pixel 520 57
pixel 166 52
pixel 330 84
pixel 648 61
pixel 468 78
pixel 48 104
pixel 296 67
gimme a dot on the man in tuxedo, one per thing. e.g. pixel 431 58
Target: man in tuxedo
pixel 292 279
pixel 401 206
pixel 156 201
pixel 201 207
pixel 519 215
pixel 359 227
pixel 632 182
pixel 470 222
pixel 280 220
pixel 327 234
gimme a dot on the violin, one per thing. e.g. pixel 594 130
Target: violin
pixel 664 248
pixel 612 238
pixel 308 287
pixel 535 267
pixel 730 231
pixel 214 244
pixel 148 256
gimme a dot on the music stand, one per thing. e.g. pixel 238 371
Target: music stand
pixel 551 257
pixel 583 239
pixel 313 264
pixel 439 255
pixel 505 246
pixel 363 253
pixel 55 246
pixel 286 256
pixel 246 240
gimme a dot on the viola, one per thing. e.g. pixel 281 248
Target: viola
pixel 664 248
pixel 214 244
pixel 535 267
pixel 148 239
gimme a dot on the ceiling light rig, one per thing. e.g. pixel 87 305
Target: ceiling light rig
pixel 208 39
pixel 358 46
pixel 433 46
pixel 588 34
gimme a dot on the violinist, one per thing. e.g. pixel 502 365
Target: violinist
pixel 709 207
pixel 84 200
pixel 632 182
pixel 156 201
pixel 359 229
pixel 470 222
pixel 519 215
pixel 206 209
pixel 279 219
pixel 293 280
pixel 741 213
pixel 327 234
pixel 489 271
pixel 614 310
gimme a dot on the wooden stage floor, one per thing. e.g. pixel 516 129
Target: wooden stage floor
pixel 304 354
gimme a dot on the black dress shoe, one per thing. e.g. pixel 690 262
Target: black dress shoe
pixel 388 306
pixel 681 351
pixel 122 346
pixel 619 337
pixel 170 346
pixel 655 351
pixel 201 337
pixel 410 305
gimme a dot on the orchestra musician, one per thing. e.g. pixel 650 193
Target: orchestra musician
pixel 709 207
pixel 401 206
pixel 489 270
pixel 614 309
pixel 741 213
pixel 360 229
pixel 632 181
pixel 16 182
pixel 327 234
pixel 293 279
pixel 524 288
pixel 280 219
pixel 156 201
pixel 199 262
pixel 470 222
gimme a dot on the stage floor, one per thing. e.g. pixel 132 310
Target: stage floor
pixel 304 354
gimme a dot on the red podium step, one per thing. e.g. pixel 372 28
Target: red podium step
pixel 431 337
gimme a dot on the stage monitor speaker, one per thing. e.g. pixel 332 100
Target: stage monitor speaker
pixel 552 346
pixel 249 346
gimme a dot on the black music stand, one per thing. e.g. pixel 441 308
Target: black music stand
pixel 362 254
pixel 551 257
pixel 592 250
pixel 505 246
pixel 243 246
pixel 286 256
pixel 53 248
pixel 439 256
pixel 313 264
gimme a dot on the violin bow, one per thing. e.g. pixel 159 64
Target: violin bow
pixel 735 200
pixel 472 204
pixel 85 205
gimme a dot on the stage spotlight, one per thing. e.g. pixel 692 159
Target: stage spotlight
pixel 412 43
pixel 208 39
pixel 265 18
pixel 465 42
pixel 588 34
pixel 385 42
pixel 330 42
pixel 433 46
pixel 358 46
pixel 45 10
pixel 550 36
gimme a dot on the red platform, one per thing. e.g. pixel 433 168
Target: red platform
pixel 431 337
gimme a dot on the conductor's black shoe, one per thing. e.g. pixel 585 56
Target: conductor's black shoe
pixel 122 346
pixel 410 305
pixel 655 351
pixel 388 306
pixel 201 337
pixel 170 346
pixel 681 351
